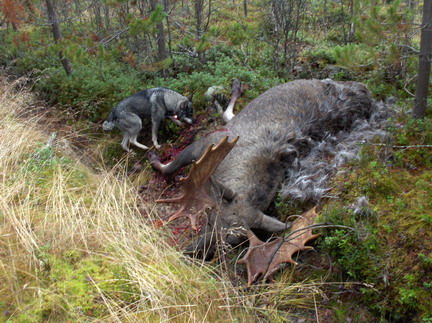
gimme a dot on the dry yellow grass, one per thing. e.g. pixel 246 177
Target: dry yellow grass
pixel 57 217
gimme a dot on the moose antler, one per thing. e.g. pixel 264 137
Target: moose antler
pixel 195 198
pixel 264 258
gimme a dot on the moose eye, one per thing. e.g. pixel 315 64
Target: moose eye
pixel 226 201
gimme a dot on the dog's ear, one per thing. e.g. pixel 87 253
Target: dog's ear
pixel 190 98
pixel 182 105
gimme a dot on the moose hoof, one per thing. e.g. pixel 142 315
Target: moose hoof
pixel 152 157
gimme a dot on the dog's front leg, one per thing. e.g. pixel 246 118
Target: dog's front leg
pixel 156 120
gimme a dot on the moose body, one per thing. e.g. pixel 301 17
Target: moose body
pixel 274 130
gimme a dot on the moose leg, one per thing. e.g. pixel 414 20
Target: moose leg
pixel 186 157
pixel 236 92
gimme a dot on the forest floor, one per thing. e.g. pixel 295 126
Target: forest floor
pixel 340 300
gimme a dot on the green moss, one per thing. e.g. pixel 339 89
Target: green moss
pixel 74 285
pixel 392 248
pixel 42 167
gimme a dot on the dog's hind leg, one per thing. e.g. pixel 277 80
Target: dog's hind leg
pixel 133 140
pixel 125 142
pixel 134 131
pixel 130 124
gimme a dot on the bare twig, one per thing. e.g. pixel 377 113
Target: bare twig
pixel 412 49
pixel 110 38
pixel 64 19
pixel 402 147
pixel 406 84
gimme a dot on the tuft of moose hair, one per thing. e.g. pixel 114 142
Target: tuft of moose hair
pixel 242 166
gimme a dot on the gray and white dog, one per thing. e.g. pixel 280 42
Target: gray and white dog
pixel 156 104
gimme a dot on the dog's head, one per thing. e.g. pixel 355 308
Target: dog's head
pixel 185 111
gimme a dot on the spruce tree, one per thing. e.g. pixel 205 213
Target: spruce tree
pixel 425 57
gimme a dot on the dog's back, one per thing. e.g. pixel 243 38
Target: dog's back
pixel 139 104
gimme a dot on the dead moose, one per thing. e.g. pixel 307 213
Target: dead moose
pixel 237 170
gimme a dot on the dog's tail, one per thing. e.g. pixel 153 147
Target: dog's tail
pixel 108 124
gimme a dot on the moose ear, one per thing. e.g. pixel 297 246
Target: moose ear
pixel 227 193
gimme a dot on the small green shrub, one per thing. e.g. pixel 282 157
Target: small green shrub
pixel 219 73
pixel 351 249
pixel 28 51
pixel 240 33
pixel 352 56
pixel 321 55
pixel 92 89
pixel 411 132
